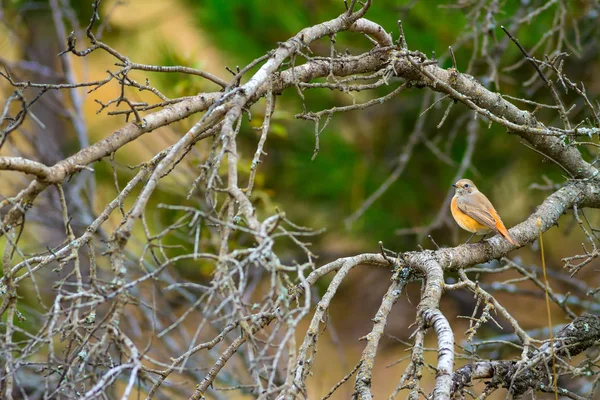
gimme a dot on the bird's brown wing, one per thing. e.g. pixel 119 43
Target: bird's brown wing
pixel 478 207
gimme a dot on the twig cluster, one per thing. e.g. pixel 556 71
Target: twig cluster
pixel 111 306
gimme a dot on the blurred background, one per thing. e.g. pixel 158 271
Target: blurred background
pixel 359 150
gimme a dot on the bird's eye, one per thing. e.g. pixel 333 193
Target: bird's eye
pixel 466 185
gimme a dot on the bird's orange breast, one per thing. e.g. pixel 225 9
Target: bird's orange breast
pixel 466 222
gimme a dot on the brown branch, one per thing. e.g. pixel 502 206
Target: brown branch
pixel 364 376
pixel 24 165
pixel 573 339
pixel 467 90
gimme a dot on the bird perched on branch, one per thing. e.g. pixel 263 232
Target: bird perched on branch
pixel 473 212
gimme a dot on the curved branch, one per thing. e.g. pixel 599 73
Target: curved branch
pixel 573 339
pixel 430 315
pixel 372 29
pixel 466 89
pixel 24 165
pixel 362 385
pixel 441 326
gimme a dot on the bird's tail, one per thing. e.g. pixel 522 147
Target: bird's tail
pixel 502 229
pixel 504 232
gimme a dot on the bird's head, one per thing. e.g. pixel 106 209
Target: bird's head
pixel 465 186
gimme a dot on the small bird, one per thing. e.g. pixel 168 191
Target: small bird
pixel 473 212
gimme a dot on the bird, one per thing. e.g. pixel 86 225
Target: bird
pixel 473 212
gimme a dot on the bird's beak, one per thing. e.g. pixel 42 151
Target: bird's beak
pixel 454 185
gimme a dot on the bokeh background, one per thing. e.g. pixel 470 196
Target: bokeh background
pixel 358 150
